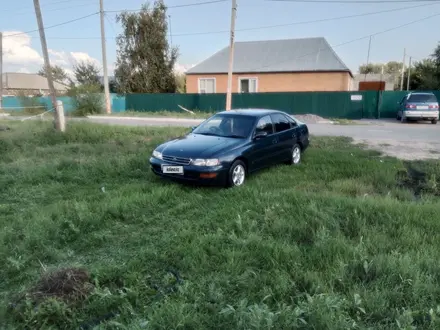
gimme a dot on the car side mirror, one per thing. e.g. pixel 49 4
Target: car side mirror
pixel 260 135
pixel 193 128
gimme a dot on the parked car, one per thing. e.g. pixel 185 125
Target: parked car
pixel 227 147
pixel 418 106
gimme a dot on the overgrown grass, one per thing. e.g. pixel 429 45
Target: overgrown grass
pixel 339 242
pixel 164 113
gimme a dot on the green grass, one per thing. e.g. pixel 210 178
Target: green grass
pixel 165 113
pixel 27 112
pixel 339 242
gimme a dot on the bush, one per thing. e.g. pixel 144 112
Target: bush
pixel 87 100
pixel 30 104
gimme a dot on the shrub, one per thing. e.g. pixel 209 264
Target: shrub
pixel 87 100
pixel 31 104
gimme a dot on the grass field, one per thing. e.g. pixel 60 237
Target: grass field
pixel 347 240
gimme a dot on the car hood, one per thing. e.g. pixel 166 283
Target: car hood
pixel 199 146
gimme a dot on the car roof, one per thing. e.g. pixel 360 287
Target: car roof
pixel 421 93
pixel 253 112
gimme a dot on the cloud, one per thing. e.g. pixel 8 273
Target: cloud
pixel 182 68
pixel 19 56
pixel 67 60
pixel 84 57
pixel 23 70
pixel 17 50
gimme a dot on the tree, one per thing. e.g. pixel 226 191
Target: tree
pixel 145 61
pixel 58 74
pixel 392 67
pixel 86 73
pixel 180 83
pixel 370 68
pixel 423 76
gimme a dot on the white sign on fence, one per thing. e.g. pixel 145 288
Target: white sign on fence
pixel 356 97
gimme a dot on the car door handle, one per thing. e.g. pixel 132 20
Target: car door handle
pixel 274 141
pixel 294 135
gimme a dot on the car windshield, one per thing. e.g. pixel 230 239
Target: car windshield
pixel 422 98
pixel 227 126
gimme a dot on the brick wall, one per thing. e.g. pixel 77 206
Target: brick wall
pixel 278 82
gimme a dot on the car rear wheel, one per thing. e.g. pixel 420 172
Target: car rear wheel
pixel 434 121
pixel 237 174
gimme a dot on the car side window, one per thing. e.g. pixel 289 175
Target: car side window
pixel 264 125
pixel 292 122
pixel 281 123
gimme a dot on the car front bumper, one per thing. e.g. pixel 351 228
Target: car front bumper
pixel 417 114
pixel 204 175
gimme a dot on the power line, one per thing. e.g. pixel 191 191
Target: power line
pixel 110 22
pixel 354 1
pixel 330 48
pixel 307 22
pixel 273 26
pixel 175 6
pixel 55 9
pixel 52 26
pixel 45 5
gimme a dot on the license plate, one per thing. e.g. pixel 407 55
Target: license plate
pixel 167 169
pixel 422 107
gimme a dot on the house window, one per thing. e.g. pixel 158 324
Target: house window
pixel 206 85
pixel 247 85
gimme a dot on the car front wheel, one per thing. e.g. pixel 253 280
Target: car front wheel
pixel 296 155
pixel 434 121
pixel 237 174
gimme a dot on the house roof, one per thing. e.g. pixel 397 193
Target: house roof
pixel 28 81
pixel 285 55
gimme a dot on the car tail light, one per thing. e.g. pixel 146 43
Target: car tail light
pixel 410 106
pixel 435 106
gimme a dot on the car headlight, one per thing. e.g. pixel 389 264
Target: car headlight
pixel 206 162
pixel 157 154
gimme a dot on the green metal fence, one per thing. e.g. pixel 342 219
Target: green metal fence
pixel 350 105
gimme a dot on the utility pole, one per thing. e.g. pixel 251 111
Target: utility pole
pixel 231 55
pixel 368 58
pixel 104 59
pixel 403 69
pixel 1 70
pixel 409 74
pixel 381 74
pixel 57 117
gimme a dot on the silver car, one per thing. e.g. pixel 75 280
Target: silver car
pixel 418 106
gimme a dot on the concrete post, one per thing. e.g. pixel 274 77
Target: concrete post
pixel 60 112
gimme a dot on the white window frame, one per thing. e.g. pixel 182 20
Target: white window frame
pixel 247 78
pixel 207 78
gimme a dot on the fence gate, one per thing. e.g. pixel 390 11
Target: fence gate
pixel 357 105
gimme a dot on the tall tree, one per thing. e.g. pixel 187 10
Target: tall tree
pixel 86 73
pixel 145 61
pixel 58 74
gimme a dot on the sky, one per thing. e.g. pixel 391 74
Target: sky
pixel 201 30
